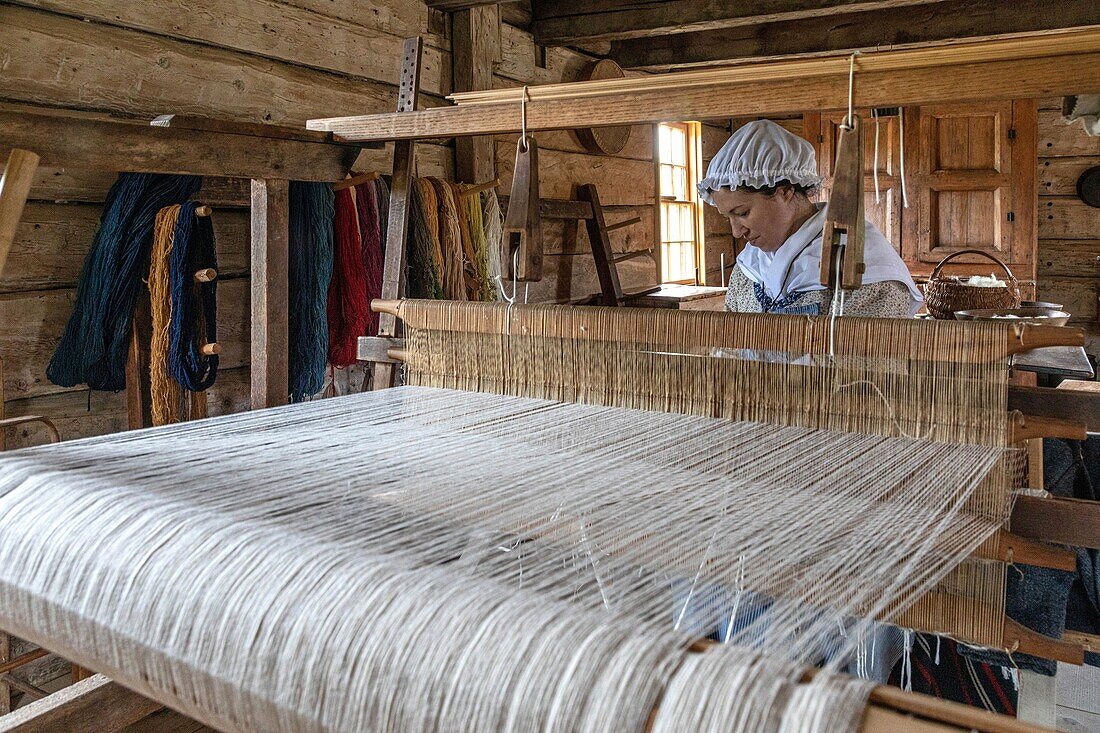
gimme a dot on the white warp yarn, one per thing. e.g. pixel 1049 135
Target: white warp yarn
pixel 420 559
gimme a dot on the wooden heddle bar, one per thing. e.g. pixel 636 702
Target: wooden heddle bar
pixel 1029 66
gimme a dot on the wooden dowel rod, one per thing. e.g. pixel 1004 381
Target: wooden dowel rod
pixel 206 275
pixel 1013 548
pixel 401 355
pixel 1030 336
pixel 1025 427
pixel 203 211
pixel 23 659
pixel 622 224
pixel 355 180
pixel 380 305
pixel 211 349
pixel 1090 642
pixel 1018 637
pixel 480 187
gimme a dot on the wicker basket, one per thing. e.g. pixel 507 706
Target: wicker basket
pixel 945 295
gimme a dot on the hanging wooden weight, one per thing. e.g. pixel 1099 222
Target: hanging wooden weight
pixel 523 223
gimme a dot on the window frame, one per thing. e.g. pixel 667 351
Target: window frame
pixel 693 167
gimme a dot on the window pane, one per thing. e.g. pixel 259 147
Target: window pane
pixel 664 223
pixel 665 144
pixel 678 142
pixel 666 181
pixel 681 184
pixel 687 228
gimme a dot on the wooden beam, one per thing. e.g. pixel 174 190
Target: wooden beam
pixel 847 31
pixel 475 42
pixel 567 22
pixel 611 291
pixel 15 184
pixel 451 6
pixel 270 292
pixel 139 388
pixel 1044 65
pixel 89 141
pixel 1074 522
pixel 95 705
pixel 404 170
pixel 1081 407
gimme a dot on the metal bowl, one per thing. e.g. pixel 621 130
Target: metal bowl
pixel 1040 304
pixel 1037 316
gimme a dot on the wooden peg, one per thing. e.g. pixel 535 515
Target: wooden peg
pixel 844 215
pixel 523 222
pixel 390 307
pixel 206 275
pixel 355 180
pixel 1025 427
pixel 211 349
pixel 474 190
pixel 622 224
pixel 203 211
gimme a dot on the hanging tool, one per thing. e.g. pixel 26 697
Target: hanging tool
pixel 523 222
pixel 844 214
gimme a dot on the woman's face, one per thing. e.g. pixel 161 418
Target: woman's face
pixel 764 220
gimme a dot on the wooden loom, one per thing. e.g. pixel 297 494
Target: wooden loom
pixel 1050 64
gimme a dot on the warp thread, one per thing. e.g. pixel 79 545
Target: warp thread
pixel 96 340
pixel 348 307
pixel 311 214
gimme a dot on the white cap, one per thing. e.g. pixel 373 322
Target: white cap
pixel 760 154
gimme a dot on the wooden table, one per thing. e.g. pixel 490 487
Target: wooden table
pixel 681 297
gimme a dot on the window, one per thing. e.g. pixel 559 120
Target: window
pixel 678 165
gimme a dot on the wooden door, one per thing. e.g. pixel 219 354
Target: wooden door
pixel 973 186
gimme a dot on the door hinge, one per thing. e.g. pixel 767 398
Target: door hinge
pixel 1012 216
pixel 1012 133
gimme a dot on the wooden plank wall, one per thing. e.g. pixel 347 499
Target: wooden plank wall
pixel 279 61
pixel 1068 270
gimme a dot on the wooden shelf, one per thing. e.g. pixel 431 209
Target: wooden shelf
pixel 196 146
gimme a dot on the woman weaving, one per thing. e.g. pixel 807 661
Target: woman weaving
pixel 761 180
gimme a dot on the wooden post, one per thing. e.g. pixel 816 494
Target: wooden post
pixel 270 264
pixel 393 277
pixel 14 187
pixel 611 291
pixel 139 394
pixel 475 42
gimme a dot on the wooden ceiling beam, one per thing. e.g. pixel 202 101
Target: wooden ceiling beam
pixel 1038 66
pixel 567 22
pixel 884 27
pixel 450 6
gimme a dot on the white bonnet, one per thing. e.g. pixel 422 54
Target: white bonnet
pixel 760 154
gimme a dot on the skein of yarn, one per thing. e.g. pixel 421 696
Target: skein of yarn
pixel 193 250
pixel 372 202
pixel 96 340
pixel 311 214
pixel 425 273
pixel 183 314
pixel 348 307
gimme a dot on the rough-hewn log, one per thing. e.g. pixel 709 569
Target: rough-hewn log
pixel 476 46
pixel 566 22
pixel 92 141
pixel 891 26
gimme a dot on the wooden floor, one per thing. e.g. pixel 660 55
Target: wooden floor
pixel 167 721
